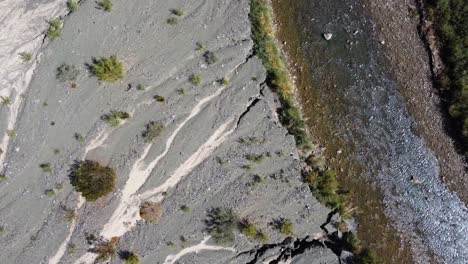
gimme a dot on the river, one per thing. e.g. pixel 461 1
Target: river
pixel 357 111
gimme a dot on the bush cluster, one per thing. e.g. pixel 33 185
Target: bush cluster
pixel 108 69
pixel 92 180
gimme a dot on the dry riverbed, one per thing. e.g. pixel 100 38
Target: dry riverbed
pixel 199 161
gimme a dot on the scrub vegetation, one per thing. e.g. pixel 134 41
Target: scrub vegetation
pixel 151 212
pixel 152 131
pixel 25 56
pixel 115 118
pixel 72 5
pixel 55 29
pixel 105 250
pixel 108 69
pixel 105 5
pixel 278 78
pixel 221 224
pixel 451 25
pixel 92 180
pixel 67 73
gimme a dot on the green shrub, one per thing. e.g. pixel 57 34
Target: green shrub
pixel 92 180
pixel 368 256
pixel 224 81
pixel 72 5
pixel 25 56
pixel 105 5
pixel 182 91
pixel 172 21
pixel 285 226
pixel 177 12
pixel 195 79
pixel 200 46
pixel 251 231
pixel 50 193
pixel 46 167
pixel 55 29
pixel 131 258
pixel 221 223
pixel 79 137
pixel 159 98
pixel 6 101
pixel 210 57
pixel 115 118
pixel 108 69
pixel 185 208
pixel 67 73
pixel 152 131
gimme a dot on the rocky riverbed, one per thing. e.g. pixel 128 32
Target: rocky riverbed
pixel 199 162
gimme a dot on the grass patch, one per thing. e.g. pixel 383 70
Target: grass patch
pixel 25 56
pixel 251 231
pixel 49 193
pixel 182 91
pixel 105 5
pixel 151 212
pixel 195 79
pixel 108 69
pixel 78 137
pixel 200 46
pixel 285 226
pixel 72 5
pixel 92 180
pixel 55 29
pixel 185 208
pixel 177 12
pixel 451 25
pixel 278 78
pixel 6 101
pixel 256 158
pixel 11 133
pixel 67 72
pixel 172 21
pixel 221 223
pixel 115 118
pixel 152 131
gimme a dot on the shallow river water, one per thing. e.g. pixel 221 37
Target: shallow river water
pixel 355 109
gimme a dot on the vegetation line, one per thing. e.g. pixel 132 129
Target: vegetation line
pixel 450 19
pixel 321 179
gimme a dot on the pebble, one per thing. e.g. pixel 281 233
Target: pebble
pixel 328 36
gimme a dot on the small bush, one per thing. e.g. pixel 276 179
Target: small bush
pixel 172 21
pixel 59 186
pixel 210 57
pixel 224 81
pixel 130 257
pixel 46 167
pixel 72 5
pixel 221 223
pixel 108 69
pixel 25 56
pixel 195 79
pixel 152 131
pixel 6 101
pixel 66 73
pixel 55 29
pixel 105 5
pixel 368 256
pixel 177 12
pixel 50 193
pixel 185 208
pixel 285 226
pixel 105 250
pixel 151 212
pixel 140 87
pixel 248 229
pixel 115 118
pixel 79 137
pixel 159 98
pixel 92 180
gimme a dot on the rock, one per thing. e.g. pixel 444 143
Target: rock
pixel 327 36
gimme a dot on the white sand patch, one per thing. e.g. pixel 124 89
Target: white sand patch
pixel 202 153
pixel 63 247
pixel 127 214
pixel 98 141
pixel 21 30
pixel 171 259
